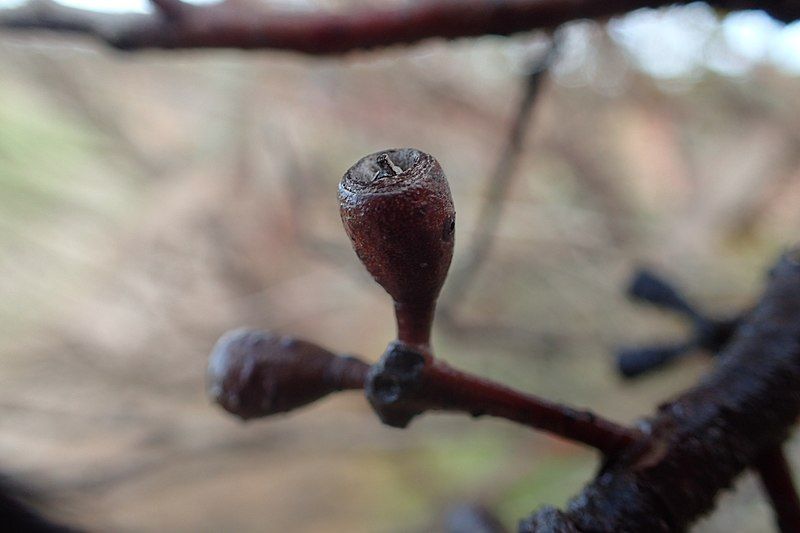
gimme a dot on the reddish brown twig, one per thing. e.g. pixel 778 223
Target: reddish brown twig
pixel 479 396
pixel 407 382
pixel 227 25
pixel 776 478
pixel 254 374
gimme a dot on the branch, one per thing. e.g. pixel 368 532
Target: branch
pixel 711 335
pixel 407 382
pixel 254 374
pixel 54 17
pixel 229 25
pixel 707 436
pixel 776 478
pixel 500 181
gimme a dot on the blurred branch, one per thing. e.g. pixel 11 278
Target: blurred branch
pixel 231 25
pixel 776 478
pixel 499 182
pixel 597 182
pixel 406 383
pixel 711 335
pixel 491 211
pixel 52 16
pixel 701 440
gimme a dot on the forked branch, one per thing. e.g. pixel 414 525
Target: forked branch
pixel 254 374
pixel 776 478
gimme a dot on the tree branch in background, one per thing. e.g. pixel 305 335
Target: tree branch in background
pixel 57 18
pixel 230 25
pixel 776 478
pixel 704 438
pixel 499 183
pixel 710 335
pixel 491 211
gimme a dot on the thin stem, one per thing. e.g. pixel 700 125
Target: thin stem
pixel 499 184
pixel 776 478
pixel 414 322
pixel 461 391
pixel 408 382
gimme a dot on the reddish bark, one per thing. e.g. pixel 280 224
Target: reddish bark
pixel 230 25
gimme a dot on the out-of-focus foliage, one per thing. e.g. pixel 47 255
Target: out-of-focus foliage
pixel 150 202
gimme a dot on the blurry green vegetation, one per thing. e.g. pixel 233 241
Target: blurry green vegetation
pixel 552 483
pixel 43 153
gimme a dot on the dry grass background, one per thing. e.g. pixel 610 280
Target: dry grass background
pixel 150 202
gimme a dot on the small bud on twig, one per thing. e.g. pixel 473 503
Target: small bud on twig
pixel 397 210
pixel 253 374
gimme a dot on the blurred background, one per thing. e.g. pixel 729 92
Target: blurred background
pixel 151 201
